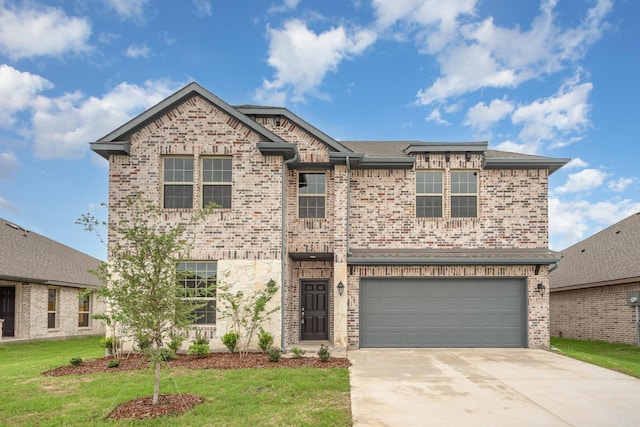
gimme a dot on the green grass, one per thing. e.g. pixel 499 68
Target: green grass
pixel 618 357
pixel 244 397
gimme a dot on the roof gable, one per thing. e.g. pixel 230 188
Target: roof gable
pixel 609 255
pixel 117 141
pixel 29 257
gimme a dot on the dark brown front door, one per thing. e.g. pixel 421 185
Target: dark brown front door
pixel 8 310
pixel 315 311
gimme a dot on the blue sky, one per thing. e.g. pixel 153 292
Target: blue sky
pixel 555 77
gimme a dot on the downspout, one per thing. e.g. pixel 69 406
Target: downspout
pixel 284 245
pixel 555 265
pixel 348 202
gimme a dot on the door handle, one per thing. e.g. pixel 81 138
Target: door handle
pixel 302 316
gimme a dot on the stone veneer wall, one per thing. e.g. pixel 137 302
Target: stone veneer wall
pixel 598 313
pixel 537 306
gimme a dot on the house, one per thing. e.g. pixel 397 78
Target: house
pixel 589 290
pixel 43 287
pixel 373 244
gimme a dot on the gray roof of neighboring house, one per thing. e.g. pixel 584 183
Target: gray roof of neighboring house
pixel 610 256
pixel 26 256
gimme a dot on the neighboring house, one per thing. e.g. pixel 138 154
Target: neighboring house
pixel 374 244
pixel 589 289
pixel 42 287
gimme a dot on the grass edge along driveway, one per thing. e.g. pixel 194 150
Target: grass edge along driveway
pixel 623 358
pixel 243 397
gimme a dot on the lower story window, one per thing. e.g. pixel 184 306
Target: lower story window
pixel 52 308
pixel 84 303
pixel 198 280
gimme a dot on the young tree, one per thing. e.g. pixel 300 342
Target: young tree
pixel 140 283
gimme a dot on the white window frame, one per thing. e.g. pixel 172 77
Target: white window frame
pixel 432 194
pixel 222 183
pixel 82 294
pixel 323 195
pixel 56 308
pixel 464 194
pixel 189 266
pixel 166 183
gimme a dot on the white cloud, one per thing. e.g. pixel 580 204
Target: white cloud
pixel 8 164
pixel 17 92
pixel 482 117
pixel 576 163
pixel 33 30
pixel 571 221
pixel 64 126
pixel 620 184
pixel 128 9
pixel 554 118
pixel 586 179
pixel 514 147
pixel 435 117
pixel 138 51
pixel 302 58
pixel 203 7
pixel 7 205
pixel 477 55
pixel 286 6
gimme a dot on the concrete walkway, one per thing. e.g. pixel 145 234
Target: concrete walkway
pixel 487 387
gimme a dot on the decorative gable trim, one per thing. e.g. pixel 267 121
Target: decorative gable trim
pixel 113 143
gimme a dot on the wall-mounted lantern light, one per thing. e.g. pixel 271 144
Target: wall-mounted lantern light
pixel 541 289
pixel 340 288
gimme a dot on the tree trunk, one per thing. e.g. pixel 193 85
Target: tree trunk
pixel 156 386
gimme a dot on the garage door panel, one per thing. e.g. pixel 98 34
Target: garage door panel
pixel 442 312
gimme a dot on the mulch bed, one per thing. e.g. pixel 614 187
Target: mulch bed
pixel 174 404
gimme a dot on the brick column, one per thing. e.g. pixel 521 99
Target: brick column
pixel 340 257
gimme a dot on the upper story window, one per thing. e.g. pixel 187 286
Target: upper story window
pixel 178 182
pixel 216 181
pixel 464 194
pixel 429 193
pixel 311 195
pixel 199 282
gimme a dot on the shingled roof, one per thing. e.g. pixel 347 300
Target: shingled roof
pixel 26 256
pixel 608 257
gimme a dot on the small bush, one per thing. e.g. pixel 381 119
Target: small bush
pixel 274 354
pixel 114 363
pixel 176 342
pixel 324 353
pixel 297 352
pixel 265 340
pixel 76 361
pixel 167 354
pixel 144 344
pixel 110 344
pixel 200 347
pixel 230 340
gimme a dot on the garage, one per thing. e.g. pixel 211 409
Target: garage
pixel 442 312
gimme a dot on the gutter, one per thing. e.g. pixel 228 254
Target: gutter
pixel 283 249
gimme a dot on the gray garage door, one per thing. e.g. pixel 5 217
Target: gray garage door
pixel 442 313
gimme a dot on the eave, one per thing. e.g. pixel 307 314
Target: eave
pixel 548 163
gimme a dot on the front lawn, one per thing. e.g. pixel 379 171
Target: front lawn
pixel 242 397
pixel 618 357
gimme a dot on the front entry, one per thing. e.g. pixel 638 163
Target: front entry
pixel 8 310
pixel 314 310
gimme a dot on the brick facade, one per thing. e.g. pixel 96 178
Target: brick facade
pixel 31 312
pixel 512 212
pixel 598 313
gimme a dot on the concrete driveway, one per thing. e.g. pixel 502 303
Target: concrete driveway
pixel 487 387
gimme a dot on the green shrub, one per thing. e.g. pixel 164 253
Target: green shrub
pixel 144 344
pixel 110 344
pixel 167 354
pixel 76 361
pixel 230 340
pixel 114 363
pixel 176 342
pixel 274 354
pixel 200 347
pixel 324 353
pixel 297 352
pixel 265 340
